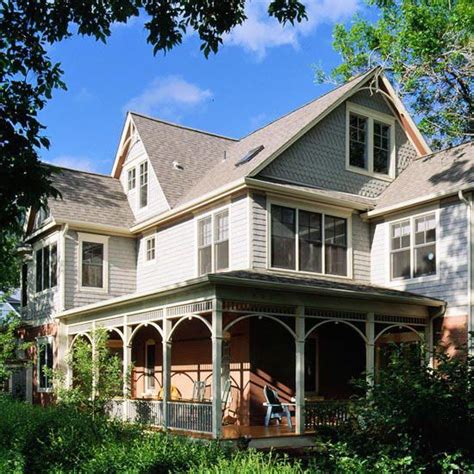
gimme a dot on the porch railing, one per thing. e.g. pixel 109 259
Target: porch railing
pixel 333 413
pixel 190 416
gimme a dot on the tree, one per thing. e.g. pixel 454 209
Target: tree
pixel 28 77
pixel 97 375
pixel 426 48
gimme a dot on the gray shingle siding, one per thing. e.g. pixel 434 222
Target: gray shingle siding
pixel 319 157
pixel 122 271
pixel 259 231
pixel 360 249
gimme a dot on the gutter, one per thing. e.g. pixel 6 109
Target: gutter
pixel 415 202
pixel 91 226
pixel 311 195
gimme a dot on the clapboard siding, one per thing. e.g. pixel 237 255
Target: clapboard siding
pixel 239 233
pixel 156 199
pixel 318 158
pixel 122 271
pixel 175 257
pixel 360 249
pixel 259 231
pixel 451 284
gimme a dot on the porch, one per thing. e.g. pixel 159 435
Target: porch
pixel 307 348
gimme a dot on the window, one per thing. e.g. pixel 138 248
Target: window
pixel 143 184
pixel 413 247
pixel 46 267
pixel 44 363
pixel 308 241
pixel 131 179
pixel 24 284
pixel 370 141
pixel 150 350
pixel 42 215
pixel 150 249
pixel 93 251
pixel 213 243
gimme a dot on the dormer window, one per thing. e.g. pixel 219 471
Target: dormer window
pixel 143 198
pixel 42 215
pixel 370 146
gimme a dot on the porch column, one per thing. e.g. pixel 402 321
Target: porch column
pixel 370 346
pixel 429 342
pixel 166 380
pixel 216 367
pixel 300 369
pixel 127 359
pixel 94 360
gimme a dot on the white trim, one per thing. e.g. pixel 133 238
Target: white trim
pixel 388 247
pixel 320 210
pixel 39 341
pixel 371 116
pixel 100 239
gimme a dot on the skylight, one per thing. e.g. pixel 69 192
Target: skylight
pixel 249 155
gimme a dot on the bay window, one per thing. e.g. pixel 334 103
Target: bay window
pixel 46 267
pixel 413 247
pixel 213 242
pixel 308 241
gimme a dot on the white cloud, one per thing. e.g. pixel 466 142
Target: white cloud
pixel 260 32
pixel 82 163
pixel 170 95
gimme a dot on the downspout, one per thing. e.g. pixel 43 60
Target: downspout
pixel 470 265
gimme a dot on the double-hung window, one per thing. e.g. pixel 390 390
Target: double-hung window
pixel 213 242
pixel 308 241
pixel 93 261
pixel 143 195
pixel 46 267
pixel 150 351
pixel 44 348
pixel 370 141
pixel 131 179
pixel 413 247
pixel 150 249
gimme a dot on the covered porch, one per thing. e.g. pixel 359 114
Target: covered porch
pixel 200 366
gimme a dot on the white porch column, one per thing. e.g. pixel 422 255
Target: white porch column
pixel 300 369
pixel 94 360
pixel 127 360
pixel 370 346
pixel 216 367
pixel 166 381
pixel 429 342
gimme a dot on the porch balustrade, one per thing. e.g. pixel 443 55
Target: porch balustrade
pixel 323 413
pixel 190 416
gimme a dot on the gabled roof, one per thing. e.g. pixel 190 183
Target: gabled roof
pixel 90 197
pixel 444 172
pixel 166 143
pixel 274 137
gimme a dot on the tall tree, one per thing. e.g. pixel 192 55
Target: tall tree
pixel 426 47
pixel 28 77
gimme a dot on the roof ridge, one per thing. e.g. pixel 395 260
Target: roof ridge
pixel 103 175
pixel 357 76
pixel 173 124
pixel 443 150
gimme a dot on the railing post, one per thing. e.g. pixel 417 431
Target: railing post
pixel 166 382
pixel 216 367
pixel 370 347
pixel 127 359
pixel 300 369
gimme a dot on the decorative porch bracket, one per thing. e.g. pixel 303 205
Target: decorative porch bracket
pixel 217 336
pixel 300 369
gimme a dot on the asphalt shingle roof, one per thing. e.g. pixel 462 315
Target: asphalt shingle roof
pixel 90 197
pixel 444 171
pixel 196 151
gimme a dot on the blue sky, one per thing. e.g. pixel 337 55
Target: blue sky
pixel 262 72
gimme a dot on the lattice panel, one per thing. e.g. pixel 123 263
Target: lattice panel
pixel 110 323
pixel 239 307
pixel 327 314
pixel 392 319
pixel 146 316
pixel 80 328
pixel 192 308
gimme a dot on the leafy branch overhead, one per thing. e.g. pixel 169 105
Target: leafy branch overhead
pixel 28 77
pixel 426 47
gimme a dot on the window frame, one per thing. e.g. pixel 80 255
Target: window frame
pixel 212 214
pixel 371 116
pixel 412 219
pixel 131 179
pixel 140 185
pixel 48 242
pixel 319 209
pixel 42 341
pixel 146 370
pixel 97 239
pixel 146 240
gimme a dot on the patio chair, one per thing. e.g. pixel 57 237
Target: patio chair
pixel 199 387
pixel 275 408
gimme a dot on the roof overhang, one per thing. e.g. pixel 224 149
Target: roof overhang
pixel 378 212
